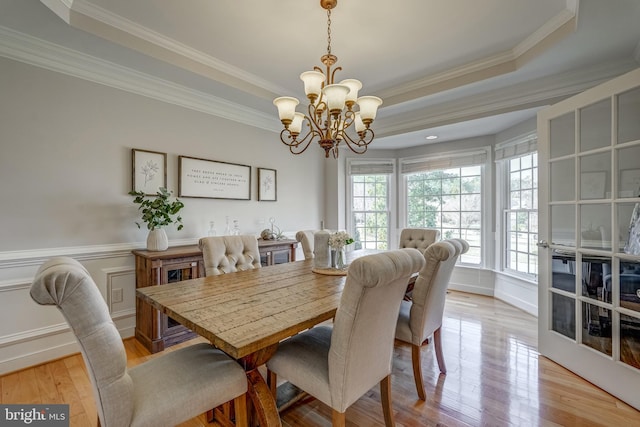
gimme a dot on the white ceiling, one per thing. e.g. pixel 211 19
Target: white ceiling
pixel 455 68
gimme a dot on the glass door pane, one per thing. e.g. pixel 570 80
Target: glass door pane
pixel 595 176
pixel 562 132
pixel 628 113
pixel 595 126
pixel 595 229
pixel 563 219
pixel 629 171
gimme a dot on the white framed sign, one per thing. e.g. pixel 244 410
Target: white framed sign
pixel 213 179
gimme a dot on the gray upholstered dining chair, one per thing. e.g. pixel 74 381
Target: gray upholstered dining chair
pixel 422 316
pixel 163 391
pixel 338 364
pixel 419 238
pixel 306 239
pixel 227 254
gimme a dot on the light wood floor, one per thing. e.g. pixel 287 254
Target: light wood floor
pixel 495 377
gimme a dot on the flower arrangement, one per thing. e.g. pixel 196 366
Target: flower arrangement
pixel 339 240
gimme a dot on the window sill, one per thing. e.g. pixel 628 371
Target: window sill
pixel 519 277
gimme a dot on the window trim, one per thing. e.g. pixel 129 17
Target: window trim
pixel 391 195
pixel 511 149
pixel 487 235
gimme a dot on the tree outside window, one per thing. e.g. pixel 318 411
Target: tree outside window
pixel 449 200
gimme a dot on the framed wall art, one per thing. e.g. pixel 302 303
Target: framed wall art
pixel 149 171
pixel 267 185
pixel 213 179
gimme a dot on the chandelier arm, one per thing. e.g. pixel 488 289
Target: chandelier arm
pixel 297 146
pixel 359 146
pixel 313 116
pixel 349 119
pixel 333 73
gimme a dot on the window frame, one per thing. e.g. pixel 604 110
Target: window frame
pixel 487 211
pixel 391 195
pixel 524 144
pixel 504 171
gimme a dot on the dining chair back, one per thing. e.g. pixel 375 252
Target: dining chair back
pixel 422 316
pixel 419 238
pixel 338 364
pixel 227 254
pixel 306 239
pixel 164 391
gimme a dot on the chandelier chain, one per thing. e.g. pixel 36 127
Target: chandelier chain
pixel 329 31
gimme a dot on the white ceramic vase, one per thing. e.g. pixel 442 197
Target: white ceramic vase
pixel 157 240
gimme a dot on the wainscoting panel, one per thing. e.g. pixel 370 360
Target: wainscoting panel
pixel 31 334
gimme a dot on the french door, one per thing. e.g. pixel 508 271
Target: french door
pixel 589 283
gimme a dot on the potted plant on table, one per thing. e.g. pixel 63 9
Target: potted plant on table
pixel 158 212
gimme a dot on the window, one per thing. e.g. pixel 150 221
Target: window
pixel 370 202
pixel 449 200
pixel 370 211
pixel 521 214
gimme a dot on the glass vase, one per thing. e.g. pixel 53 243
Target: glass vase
pixel 338 258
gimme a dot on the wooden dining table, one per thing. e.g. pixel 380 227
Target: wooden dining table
pixel 247 313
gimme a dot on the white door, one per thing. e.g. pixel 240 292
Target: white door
pixel 589 283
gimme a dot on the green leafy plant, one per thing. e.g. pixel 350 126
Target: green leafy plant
pixel 158 211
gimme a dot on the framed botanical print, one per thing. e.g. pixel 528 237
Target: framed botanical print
pixel 149 171
pixel 267 185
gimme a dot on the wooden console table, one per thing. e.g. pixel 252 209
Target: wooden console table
pixel 157 331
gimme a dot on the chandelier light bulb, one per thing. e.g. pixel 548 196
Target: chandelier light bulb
pixel 296 125
pixel 336 97
pixel 286 108
pixel 313 81
pixel 354 86
pixel 360 126
pixel 368 108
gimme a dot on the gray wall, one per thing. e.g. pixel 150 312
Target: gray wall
pixel 65 170
pixel 66 163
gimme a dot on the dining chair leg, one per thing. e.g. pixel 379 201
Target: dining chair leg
pixel 385 397
pixel 417 371
pixel 337 418
pixel 437 344
pixel 272 381
pixel 240 408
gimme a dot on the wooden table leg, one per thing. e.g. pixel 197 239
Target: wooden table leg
pixel 262 402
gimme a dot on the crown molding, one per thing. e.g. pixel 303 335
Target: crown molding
pixel 550 27
pixel 498 101
pixel 34 51
pixel 508 61
pixel 62 8
pixel 96 20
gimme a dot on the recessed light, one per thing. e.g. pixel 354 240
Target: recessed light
pixel 432 137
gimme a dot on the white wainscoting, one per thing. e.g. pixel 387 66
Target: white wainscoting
pixel 518 292
pixel 472 280
pixel 31 334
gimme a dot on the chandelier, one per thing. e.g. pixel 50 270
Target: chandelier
pixel 330 112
